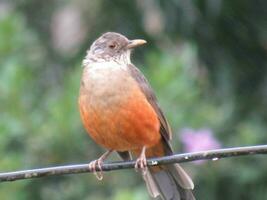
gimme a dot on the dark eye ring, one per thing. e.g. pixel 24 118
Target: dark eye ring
pixel 112 46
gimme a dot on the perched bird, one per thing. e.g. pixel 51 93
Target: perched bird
pixel 120 112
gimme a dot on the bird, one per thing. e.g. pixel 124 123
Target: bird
pixel 120 112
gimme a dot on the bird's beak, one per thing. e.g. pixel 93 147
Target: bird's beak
pixel 135 43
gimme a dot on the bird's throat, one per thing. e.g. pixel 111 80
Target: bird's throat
pixel 106 83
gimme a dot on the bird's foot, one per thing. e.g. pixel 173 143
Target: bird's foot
pixel 141 162
pixel 96 165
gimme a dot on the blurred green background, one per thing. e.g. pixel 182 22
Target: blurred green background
pixel 205 59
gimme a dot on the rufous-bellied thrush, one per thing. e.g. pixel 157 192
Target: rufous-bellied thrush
pixel 120 112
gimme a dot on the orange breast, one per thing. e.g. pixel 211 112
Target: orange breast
pixel 120 121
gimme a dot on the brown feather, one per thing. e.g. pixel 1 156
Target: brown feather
pixel 170 181
pixel 165 129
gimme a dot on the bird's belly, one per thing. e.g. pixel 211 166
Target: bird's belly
pixel 116 113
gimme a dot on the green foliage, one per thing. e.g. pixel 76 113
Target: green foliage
pixel 206 63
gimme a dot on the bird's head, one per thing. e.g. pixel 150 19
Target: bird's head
pixel 113 46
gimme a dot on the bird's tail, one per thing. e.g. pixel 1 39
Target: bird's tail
pixel 171 183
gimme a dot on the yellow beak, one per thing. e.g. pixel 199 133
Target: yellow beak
pixel 135 43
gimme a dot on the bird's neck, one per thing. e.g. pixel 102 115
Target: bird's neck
pixel 122 59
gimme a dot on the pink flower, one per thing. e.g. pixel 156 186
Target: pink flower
pixel 198 140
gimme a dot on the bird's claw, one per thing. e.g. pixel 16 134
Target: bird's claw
pixel 141 163
pixel 94 165
pixel 97 164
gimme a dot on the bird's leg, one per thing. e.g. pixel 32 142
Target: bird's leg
pixel 93 165
pixel 141 162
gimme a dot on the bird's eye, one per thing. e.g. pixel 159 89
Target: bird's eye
pixel 112 46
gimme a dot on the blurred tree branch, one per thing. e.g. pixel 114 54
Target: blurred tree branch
pixel 176 158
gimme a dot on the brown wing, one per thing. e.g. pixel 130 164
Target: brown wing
pixel 151 98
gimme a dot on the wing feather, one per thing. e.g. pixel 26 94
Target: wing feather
pixel 165 129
